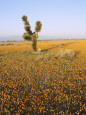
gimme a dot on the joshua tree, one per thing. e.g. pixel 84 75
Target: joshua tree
pixel 29 35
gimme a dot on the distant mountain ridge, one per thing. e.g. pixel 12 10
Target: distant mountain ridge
pixel 18 38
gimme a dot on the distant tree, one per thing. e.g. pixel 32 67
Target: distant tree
pixel 29 35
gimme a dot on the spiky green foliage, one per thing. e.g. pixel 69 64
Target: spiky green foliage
pixel 29 35
pixel 27 25
pixel 38 26
pixel 26 36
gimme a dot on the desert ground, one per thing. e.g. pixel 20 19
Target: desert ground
pixel 42 83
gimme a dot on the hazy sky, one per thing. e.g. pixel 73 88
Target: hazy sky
pixel 60 18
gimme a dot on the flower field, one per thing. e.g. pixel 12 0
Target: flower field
pixel 42 83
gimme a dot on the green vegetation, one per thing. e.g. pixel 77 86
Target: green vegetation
pixel 29 35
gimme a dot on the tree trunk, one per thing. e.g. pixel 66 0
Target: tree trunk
pixel 34 41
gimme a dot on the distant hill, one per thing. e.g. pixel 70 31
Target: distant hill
pixel 18 38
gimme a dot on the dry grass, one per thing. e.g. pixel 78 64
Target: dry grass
pixel 40 83
pixel 67 53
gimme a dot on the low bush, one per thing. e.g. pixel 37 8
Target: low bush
pixel 66 53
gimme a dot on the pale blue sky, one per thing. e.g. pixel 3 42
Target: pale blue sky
pixel 60 18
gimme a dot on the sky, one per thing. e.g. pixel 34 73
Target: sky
pixel 60 18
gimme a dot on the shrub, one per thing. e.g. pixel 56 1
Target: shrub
pixel 66 53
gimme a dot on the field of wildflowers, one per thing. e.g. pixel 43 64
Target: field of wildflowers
pixel 42 83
